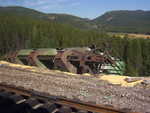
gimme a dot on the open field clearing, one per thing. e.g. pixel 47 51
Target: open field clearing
pixel 131 35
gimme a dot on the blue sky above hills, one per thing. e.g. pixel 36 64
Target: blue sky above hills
pixel 82 8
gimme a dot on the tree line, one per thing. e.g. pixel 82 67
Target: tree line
pixel 19 32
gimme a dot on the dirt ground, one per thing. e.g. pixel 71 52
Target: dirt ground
pixel 85 88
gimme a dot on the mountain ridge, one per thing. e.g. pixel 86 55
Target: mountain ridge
pixel 137 21
pixel 134 21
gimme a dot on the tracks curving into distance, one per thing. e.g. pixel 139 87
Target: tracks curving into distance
pixel 18 100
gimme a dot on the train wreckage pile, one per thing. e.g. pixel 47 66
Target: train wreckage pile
pixel 121 92
pixel 75 60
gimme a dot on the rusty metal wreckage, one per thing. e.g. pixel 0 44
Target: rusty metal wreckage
pixel 75 60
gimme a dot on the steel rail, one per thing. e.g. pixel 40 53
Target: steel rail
pixel 90 108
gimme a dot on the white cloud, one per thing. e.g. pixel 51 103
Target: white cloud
pixel 75 4
pixel 43 5
pixel 50 4
pixel 62 0
pixel 10 2
pixel 35 3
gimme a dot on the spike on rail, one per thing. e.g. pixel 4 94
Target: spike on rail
pixel 75 60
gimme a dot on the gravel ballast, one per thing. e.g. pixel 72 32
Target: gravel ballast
pixel 85 88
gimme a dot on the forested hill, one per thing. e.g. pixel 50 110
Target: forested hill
pixel 83 23
pixel 114 21
pixel 21 11
pixel 60 18
pixel 125 21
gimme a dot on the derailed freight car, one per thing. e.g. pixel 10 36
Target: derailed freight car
pixel 75 60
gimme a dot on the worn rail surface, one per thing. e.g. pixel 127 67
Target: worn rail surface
pixel 19 100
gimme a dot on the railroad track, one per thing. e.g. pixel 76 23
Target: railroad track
pixel 18 100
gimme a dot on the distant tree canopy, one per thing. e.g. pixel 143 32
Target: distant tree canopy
pixel 125 21
pixel 18 32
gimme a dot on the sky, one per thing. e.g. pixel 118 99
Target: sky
pixel 82 8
